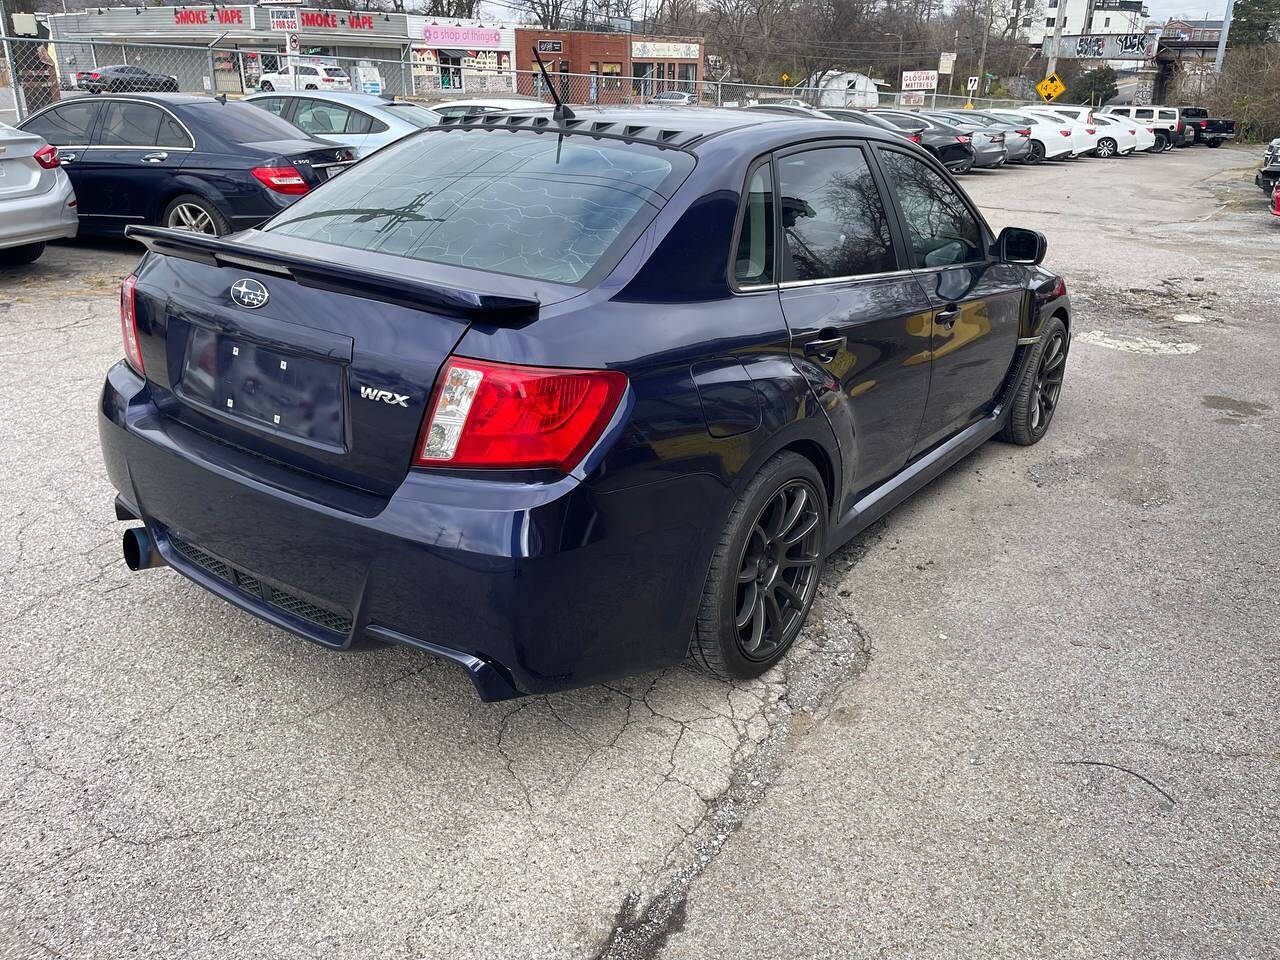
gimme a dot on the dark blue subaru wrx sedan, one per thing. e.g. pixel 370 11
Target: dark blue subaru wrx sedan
pixel 562 398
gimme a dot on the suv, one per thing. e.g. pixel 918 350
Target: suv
pixel 1165 121
pixel 1269 173
pixel 563 398
pixel 305 76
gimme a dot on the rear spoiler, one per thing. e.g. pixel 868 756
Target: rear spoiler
pixel 338 277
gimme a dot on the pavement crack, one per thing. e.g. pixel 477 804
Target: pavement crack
pixel 1115 766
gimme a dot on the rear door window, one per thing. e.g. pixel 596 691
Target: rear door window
pixel 561 209
pixel 270 104
pixel 129 124
pixel 68 125
pixel 834 223
pixel 940 226
pixel 320 118
pixel 753 261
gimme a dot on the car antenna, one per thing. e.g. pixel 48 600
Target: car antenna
pixel 561 112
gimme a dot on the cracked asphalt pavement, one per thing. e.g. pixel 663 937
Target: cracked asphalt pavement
pixel 1033 714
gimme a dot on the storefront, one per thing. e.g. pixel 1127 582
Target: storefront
pixel 658 65
pixel 461 56
pixel 249 40
pixel 608 67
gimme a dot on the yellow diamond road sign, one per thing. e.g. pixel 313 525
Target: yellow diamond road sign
pixel 1050 88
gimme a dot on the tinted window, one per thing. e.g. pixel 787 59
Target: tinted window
pixel 833 222
pixel 524 204
pixel 129 125
pixel 941 228
pixel 270 104
pixel 1196 112
pixel 238 122
pixel 65 126
pixel 172 134
pixel 358 122
pixel 753 262
pixel 1144 114
pixel 320 118
pixel 412 113
pixel 906 123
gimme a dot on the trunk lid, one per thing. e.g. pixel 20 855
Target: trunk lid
pixel 322 367
pixel 315 163
pixel 20 174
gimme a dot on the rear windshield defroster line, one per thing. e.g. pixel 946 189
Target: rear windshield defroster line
pixel 535 205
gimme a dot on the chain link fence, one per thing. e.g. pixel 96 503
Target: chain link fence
pixel 36 73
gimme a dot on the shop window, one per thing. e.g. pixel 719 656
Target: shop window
pixel 612 76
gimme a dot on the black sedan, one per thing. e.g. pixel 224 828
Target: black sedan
pixel 125 78
pixel 195 163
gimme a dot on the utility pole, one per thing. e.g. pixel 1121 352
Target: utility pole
pixel 1058 22
pixel 982 55
pixel 951 77
pixel 1222 39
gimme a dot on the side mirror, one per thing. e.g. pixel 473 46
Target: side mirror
pixel 1020 245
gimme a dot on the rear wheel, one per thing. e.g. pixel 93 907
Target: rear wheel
pixel 1036 396
pixel 1036 153
pixel 310 86
pixel 1161 144
pixel 765 572
pixel 16 256
pixel 189 212
pixel 1214 143
pixel 1106 147
pixel 266 86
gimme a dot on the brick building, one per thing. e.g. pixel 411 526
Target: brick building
pixel 609 67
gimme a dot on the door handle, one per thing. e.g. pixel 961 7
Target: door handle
pixel 155 157
pixel 67 157
pixel 946 317
pixel 825 348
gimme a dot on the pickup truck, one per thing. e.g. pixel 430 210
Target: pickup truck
pixel 1199 127
pixel 1269 172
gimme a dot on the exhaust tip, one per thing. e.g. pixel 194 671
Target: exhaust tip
pixel 139 550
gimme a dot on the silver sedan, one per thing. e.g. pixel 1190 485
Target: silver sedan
pixel 362 121
pixel 37 202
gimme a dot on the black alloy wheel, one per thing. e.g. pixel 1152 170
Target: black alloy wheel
pixel 765 571
pixel 1037 152
pixel 777 574
pixel 1035 398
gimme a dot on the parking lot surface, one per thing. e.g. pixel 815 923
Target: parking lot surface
pixel 1033 713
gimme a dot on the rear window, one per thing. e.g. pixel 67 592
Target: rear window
pixel 1196 112
pixel 528 205
pixel 334 72
pixel 240 122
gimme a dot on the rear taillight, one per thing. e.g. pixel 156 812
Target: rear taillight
pixel 1203 124
pixel 1023 131
pixel 1065 133
pixel 281 179
pixel 326 79
pixel 497 415
pixel 1133 133
pixel 913 137
pixel 962 139
pixel 47 157
pixel 95 76
pixel 1151 129
pixel 1090 130
pixel 129 324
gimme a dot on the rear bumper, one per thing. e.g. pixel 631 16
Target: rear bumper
pixel 529 587
pixel 45 216
pixel 989 155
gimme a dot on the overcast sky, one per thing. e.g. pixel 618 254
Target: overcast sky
pixel 1187 9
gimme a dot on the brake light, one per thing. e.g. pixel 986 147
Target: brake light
pixel 498 415
pixel 1133 133
pixel 1090 130
pixel 962 139
pixel 1023 131
pixel 1151 129
pixel 913 137
pixel 47 157
pixel 326 79
pixel 1065 133
pixel 1203 124
pixel 95 76
pixel 129 324
pixel 281 179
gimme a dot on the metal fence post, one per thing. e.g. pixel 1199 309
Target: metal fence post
pixel 19 106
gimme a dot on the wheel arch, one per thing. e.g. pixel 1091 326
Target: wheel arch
pixel 809 436
pixel 182 186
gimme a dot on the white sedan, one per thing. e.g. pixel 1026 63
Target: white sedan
pixel 1084 137
pixel 37 202
pixel 1052 140
pixel 1116 136
pixel 1144 138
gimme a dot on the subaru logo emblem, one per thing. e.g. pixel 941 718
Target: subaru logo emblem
pixel 249 294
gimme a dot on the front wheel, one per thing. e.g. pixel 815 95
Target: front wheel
pixel 765 571
pixel 1106 147
pixel 1035 398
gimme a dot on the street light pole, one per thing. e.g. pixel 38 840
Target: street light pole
pixel 1222 38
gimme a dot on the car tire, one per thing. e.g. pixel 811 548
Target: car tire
pixel 1161 144
pixel 1168 143
pixel 17 256
pixel 189 212
pixel 266 86
pixel 1036 153
pixel 310 86
pixel 961 168
pixel 743 627
pixel 1106 148
pixel 1039 388
pixel 1213 143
